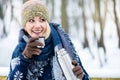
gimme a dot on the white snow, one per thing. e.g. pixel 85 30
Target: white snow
pixel 92 66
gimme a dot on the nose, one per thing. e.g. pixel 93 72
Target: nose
pixel 37 24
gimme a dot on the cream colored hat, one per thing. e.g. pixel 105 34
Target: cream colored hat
pixel 33 8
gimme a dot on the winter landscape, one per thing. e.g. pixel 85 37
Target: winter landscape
pixel 109 68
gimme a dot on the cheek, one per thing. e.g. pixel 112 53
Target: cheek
pixel 28 28
pixel 45 28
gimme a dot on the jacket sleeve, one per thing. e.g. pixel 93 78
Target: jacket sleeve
pixel 18 65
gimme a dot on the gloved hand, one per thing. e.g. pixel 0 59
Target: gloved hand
pixel 31 48
pixel 77 70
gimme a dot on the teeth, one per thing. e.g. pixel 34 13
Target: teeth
pixel 37 31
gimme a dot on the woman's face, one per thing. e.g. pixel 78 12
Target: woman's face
pixel 36 27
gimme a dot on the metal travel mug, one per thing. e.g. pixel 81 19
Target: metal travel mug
pixel 42 40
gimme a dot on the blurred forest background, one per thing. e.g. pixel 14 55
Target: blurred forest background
pixel 95 24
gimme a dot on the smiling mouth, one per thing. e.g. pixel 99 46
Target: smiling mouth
pixel 37 32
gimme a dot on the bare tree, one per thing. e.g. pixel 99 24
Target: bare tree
pixel 86 43
pixel 84 23
pixel 53 6
pixel 101 20
pixel 4 5
pixel 116 20
pixel 64 17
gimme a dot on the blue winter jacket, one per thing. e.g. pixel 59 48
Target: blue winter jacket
pixel 49 69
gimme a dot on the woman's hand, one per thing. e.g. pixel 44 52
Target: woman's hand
pixel 77 70
pixel 31 48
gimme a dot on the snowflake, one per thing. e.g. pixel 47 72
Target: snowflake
pixel 18 75
pixel 40 72
pixel 14 62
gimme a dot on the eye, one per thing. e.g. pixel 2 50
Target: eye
pixel 31 20
pixel 42 20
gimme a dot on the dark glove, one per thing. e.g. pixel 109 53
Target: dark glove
pixel 31 48
pixel 77 70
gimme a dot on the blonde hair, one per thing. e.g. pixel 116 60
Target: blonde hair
pixel 48 30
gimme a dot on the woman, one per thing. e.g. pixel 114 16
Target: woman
pixel 29 62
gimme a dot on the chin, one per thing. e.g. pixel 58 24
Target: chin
pixel 34 36
pixel 37 36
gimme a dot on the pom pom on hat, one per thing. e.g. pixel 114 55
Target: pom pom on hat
pixel 33 8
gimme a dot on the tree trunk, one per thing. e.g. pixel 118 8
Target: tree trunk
pixel 64 17
pixel 116 21
pixel 99 19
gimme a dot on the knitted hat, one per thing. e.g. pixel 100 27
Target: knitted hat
pixel 33 8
